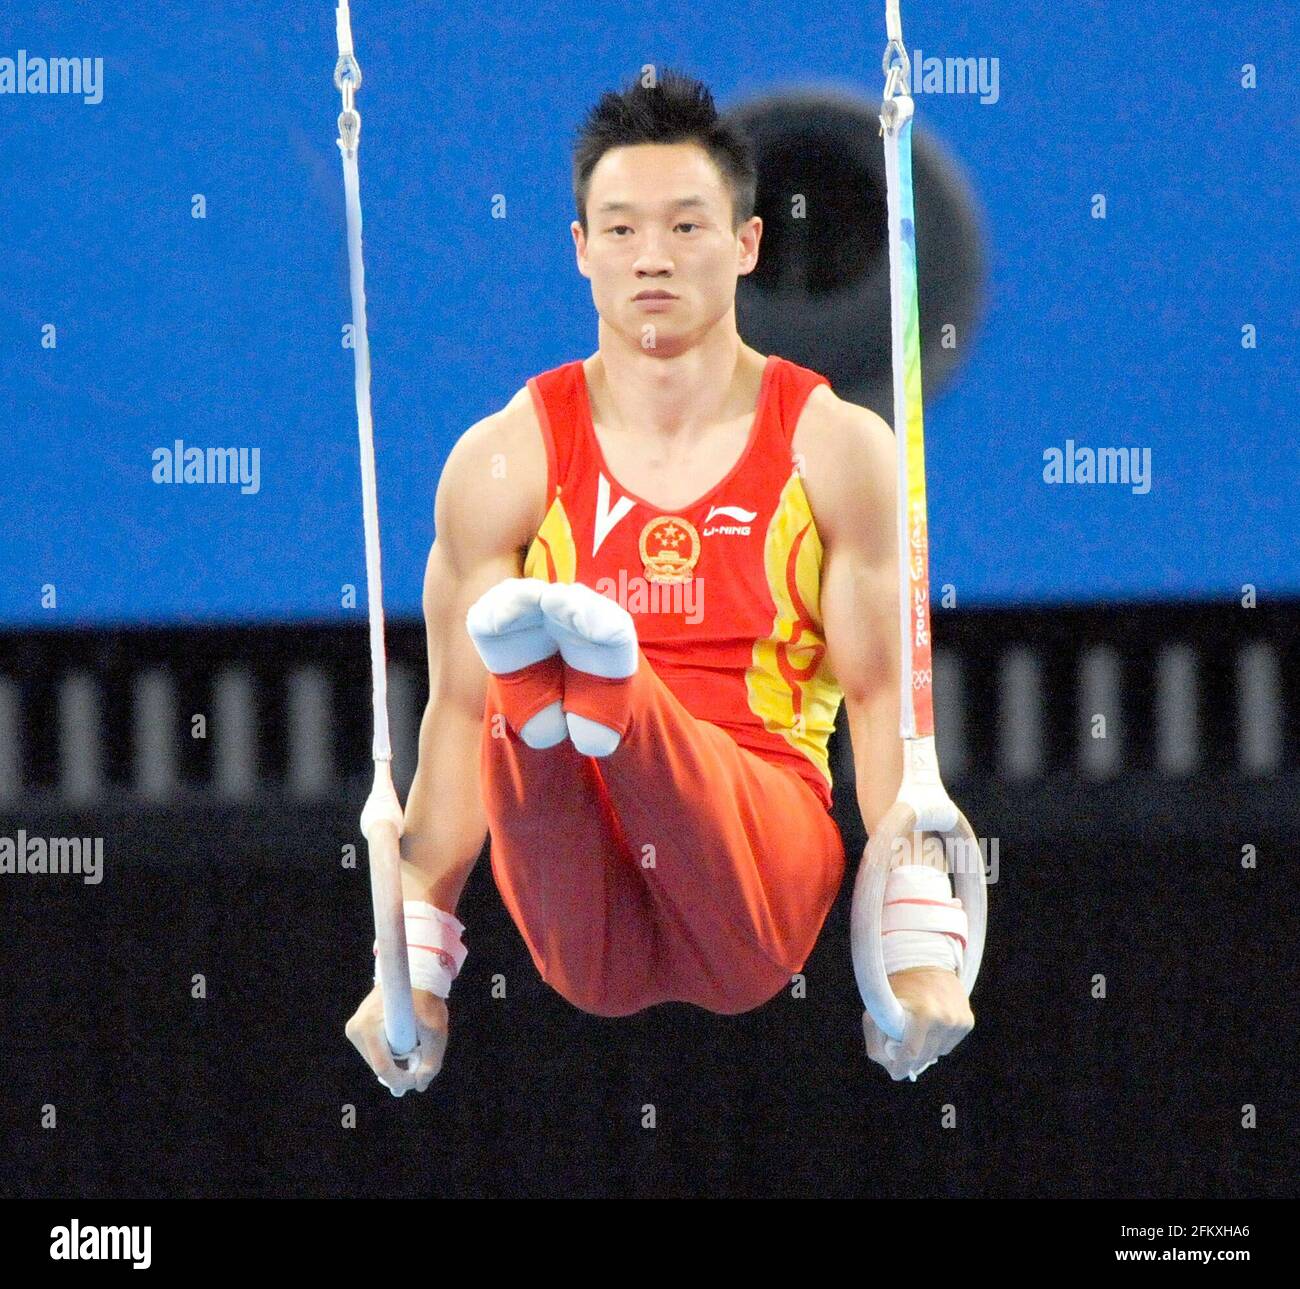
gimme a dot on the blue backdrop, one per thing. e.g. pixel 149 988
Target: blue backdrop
pixel 225 331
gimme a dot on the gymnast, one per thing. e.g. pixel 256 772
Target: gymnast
pixel 650 764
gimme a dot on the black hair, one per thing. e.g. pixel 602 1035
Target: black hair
pixel 673 109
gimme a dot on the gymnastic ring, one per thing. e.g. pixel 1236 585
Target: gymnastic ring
pixel 867 911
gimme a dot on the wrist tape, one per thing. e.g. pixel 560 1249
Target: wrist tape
pixel 923 924
pixel 433 947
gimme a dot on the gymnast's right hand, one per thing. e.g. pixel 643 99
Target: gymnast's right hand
pixel 366 1032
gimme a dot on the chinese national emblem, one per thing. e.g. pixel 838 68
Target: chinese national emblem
pixel 670 549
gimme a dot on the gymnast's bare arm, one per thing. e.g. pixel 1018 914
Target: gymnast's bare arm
pixel 848 459
pixel 486 512
pixel 487 509
pixel 845 456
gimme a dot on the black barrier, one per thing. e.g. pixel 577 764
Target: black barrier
pixel 174 1026
pixel 1176 1081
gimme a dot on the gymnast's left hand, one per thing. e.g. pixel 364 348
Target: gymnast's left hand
pixel 365 1031
pixel 938 1018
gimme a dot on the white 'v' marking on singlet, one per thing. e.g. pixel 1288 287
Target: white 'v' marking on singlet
pixel 607 519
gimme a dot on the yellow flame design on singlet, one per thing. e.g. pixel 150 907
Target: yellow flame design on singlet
pixel 790 684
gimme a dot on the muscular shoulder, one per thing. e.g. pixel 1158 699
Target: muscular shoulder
pixel 492 491
pixel 847 460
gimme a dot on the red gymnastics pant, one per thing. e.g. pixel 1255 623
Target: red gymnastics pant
pixel 682 867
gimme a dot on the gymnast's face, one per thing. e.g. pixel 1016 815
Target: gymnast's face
pixel 659 219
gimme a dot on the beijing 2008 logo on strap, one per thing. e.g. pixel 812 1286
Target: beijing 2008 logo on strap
pixel 670 549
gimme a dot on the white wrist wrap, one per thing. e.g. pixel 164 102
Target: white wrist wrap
pixel 923 924
pixel 433 947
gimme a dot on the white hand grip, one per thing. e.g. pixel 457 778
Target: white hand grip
pixel 381 824
pixel 869 903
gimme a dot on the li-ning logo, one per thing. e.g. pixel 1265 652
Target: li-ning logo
pixel 739 529
pixel 77 1243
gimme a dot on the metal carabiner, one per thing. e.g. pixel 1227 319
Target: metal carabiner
pixel 897 74
pixel 347 76
pixel 896 71
pixel 347 69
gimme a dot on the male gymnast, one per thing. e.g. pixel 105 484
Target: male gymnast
pixel 656 574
